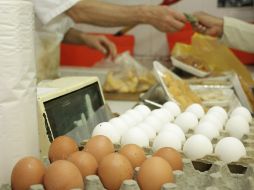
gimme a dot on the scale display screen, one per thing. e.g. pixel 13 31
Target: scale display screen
pixel 69 114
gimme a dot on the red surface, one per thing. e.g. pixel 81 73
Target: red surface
pixel 184 36
pixel 79 55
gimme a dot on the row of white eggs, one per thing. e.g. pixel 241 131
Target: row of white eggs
pixel 139 125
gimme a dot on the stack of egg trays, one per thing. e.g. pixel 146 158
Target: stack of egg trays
pixel 208 173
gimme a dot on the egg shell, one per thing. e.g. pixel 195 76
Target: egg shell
pixel 167 139
pixel 149 131
pixel 207 129
pixel 163 115
pixel 61 148
pixel 172 107
pixel 153 173
pixel 186 121
pixel 211 118
pixel 130 122
pixel 134 153
pixel 143 109
pixel 108 130
pixel 171 127
pixel 154 121
pixel 138 117
pixel 85 162
pixel 63 175
pixel 242 111
pixel 219 112
pixel 230 149
pixel 135 136
pixel 113 170
pixel 99 146
pixel 197 146
pixel 237 126
pixel 119 125
pixel 26 172
pixel 172 156
pixel 196 109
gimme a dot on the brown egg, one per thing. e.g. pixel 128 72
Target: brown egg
pixel 61 148
pixel 153 173
pixel 173 157
pixel 113 170
pixel 99 146
pixel 134 153
pixel 85 162
pixel 63 175
pixel 27 171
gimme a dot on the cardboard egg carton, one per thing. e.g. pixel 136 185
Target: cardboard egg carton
pixel 208 173
pixel 196 175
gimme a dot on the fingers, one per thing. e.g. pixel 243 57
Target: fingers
pixel 110 46
pixel 178 16
pixel 176 25
pixel 167 20
pixel 106 47
pixel 200 28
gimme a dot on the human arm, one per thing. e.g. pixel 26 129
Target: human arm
pixel 233 32
pixel 105 14
pixel 98 42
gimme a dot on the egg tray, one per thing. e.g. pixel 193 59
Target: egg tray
pixel 208 173
pixel 196 175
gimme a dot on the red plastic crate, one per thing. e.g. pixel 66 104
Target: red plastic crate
pixel 184 36
pixel 82 56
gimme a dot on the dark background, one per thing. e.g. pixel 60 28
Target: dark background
pixel 235 3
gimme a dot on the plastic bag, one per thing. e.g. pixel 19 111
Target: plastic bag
pixel 128 76
pixel 218 58
pixel 47 55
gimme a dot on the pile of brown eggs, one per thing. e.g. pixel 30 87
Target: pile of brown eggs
pixel 70 166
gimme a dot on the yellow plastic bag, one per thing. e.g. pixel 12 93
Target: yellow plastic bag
pixel 218 58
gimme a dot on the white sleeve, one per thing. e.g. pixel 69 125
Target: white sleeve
pixel 238 34
pixel 46 10
pixel 59 25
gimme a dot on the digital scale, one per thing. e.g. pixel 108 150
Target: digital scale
pixel 70 106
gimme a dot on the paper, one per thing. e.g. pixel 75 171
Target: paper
pixel 18 111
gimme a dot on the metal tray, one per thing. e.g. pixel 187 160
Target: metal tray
pixel 188 68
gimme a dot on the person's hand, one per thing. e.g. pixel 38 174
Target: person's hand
pixel 164 18
pixel 100 43
pixel 208 24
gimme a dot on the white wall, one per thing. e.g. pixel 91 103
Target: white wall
pixel 150 42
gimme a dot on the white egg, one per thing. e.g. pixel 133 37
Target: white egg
pixel 212 119
pixel 131 122
pixel 163 115
pixel 197 146
pixel 172 107
pixel 107 129
pixel 150 132
pixel 186 121
pixel 219 112
pixel 167 139
pixel 119 125
pixel 143 109
pixel 171 127
pixel 196 109
pixel 138 117
pixel 207 129
pixel 242 111
pixel 237 126
pixel 154 122
pixel 230 149
pixel 135 136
